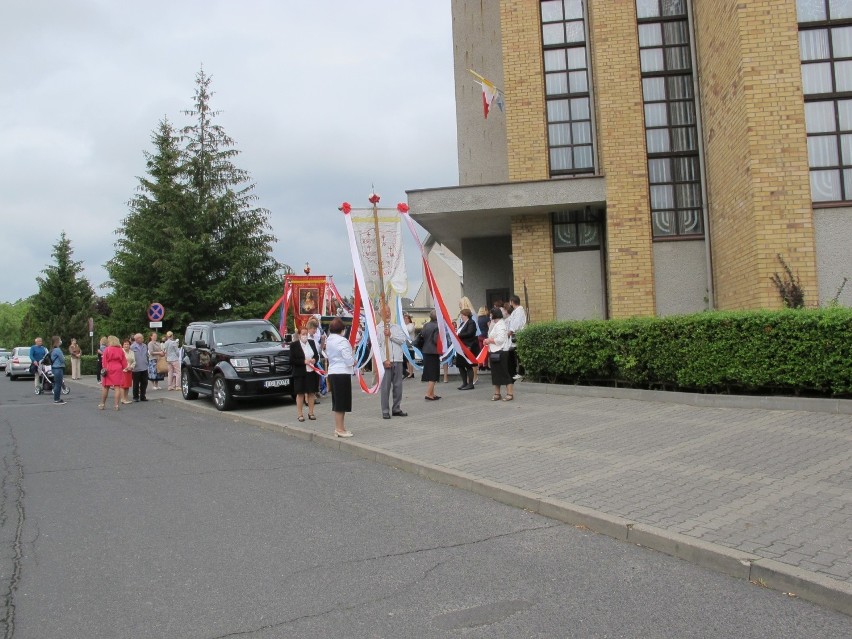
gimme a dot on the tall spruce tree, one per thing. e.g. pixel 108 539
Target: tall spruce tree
pixel 65 299
pixel 193 240
pixel 143 270
pixel 230 239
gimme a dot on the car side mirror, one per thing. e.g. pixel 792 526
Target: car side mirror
pixel 200 344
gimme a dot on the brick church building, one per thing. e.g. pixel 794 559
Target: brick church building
pixel 649 157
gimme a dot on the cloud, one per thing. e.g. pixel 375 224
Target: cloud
pixel 322 99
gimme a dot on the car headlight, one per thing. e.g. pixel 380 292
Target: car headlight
pixel 240 364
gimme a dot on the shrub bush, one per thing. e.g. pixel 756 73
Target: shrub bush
pixel 788 352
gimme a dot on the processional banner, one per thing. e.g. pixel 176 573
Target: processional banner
pixel 388 245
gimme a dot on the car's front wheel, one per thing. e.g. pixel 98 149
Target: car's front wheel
pixel 184 386
pixel 221 394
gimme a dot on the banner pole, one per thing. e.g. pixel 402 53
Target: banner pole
pixel 374 200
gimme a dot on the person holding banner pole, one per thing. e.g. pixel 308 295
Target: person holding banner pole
pixel 392 359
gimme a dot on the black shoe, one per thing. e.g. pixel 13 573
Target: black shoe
pixel 135 399
pixel 399 413
pixel 467 387
pixel 143 399
pixel 462 387
pixel 58 401
pixel 385 416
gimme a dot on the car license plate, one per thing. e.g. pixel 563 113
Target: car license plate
pixel 274 383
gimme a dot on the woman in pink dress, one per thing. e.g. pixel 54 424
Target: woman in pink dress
pixel 114 362
pixel 128 371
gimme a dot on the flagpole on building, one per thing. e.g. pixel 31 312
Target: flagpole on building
pixel 374 200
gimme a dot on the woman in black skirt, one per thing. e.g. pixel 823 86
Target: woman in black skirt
pixel 428 343
pixel 498 345
pixel 305 381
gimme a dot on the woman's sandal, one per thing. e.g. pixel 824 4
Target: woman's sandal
pixel 508 398
pixel 312 418
pixel 301 419
pixel 496 398
pixel 100 406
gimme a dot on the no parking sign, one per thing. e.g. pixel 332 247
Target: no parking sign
pixel 156 313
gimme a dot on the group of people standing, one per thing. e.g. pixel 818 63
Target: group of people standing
pixel 497 333
pixel 305 357
pixel 340 361
pixel 131 364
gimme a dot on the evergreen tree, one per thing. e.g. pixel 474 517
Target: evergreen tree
pixel 193 239
pixel 65 299
pixel 143 269
pixel 230 240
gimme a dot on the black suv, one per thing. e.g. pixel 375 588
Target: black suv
pixel 234 360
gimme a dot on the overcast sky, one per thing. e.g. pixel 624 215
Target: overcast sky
pixel 323 99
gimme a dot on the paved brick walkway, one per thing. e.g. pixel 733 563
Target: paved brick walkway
pixel 770 484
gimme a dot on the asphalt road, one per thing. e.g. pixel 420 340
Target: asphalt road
pixel 161 522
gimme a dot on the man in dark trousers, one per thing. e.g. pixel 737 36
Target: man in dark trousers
pixel 140 370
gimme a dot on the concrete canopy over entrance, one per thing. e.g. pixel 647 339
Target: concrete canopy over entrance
pixel 452 214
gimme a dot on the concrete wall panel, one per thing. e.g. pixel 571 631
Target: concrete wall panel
pixel 680 271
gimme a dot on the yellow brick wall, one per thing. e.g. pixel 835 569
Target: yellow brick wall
pixel 532 260
pixel 755 149
pixel 526 134
pixel 523 76
pixel 621 148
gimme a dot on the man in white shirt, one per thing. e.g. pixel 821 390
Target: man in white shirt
pixel 392 337
pixel 516 322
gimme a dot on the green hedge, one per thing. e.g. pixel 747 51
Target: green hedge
pixel 788 352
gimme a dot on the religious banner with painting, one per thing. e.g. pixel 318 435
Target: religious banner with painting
pixel 306 296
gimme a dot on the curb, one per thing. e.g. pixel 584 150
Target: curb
pixel 795 582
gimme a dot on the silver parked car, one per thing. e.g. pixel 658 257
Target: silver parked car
pixel 4 357
pixel 19 363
